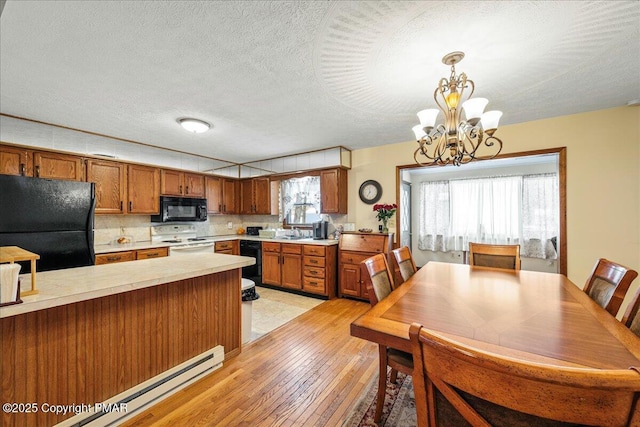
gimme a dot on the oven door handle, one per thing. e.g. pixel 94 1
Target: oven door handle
pixel 192 248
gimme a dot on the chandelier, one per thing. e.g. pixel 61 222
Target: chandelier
pixel 456 141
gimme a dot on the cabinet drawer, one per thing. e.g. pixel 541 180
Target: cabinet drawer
pixel 222 246
pixel 115 257
pixel 152 253
pixel 314 271
pixel 313 284
pixel 314 261
pixel 354 257
pixel 364 242
pixel 291 248
pixel 270 247
pixel 314 250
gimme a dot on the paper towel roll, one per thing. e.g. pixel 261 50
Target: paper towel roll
pixel 9 282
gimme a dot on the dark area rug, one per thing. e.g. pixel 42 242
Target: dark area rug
pixel 399 405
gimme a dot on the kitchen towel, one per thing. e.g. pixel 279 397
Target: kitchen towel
pixel 9 282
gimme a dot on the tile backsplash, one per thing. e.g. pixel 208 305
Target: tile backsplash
pixel 109 227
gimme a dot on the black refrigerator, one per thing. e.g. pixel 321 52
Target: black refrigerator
pixel 51 218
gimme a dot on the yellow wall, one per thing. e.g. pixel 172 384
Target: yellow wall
pixel 603 181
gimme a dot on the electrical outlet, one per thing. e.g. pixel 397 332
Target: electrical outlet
pixel 229 225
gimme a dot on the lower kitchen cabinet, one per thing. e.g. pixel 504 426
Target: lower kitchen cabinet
pixel 122 256
pixel 282 264
pixel 355 248
pixel 307 268
pixel 229 247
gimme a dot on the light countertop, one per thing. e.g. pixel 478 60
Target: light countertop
pixel 103 249
pixel 61 287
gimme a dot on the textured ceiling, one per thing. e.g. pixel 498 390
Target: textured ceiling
pixel 277 78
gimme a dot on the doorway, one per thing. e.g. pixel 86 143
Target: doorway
pixel 409 177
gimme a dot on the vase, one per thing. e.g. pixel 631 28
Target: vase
pixel 385 229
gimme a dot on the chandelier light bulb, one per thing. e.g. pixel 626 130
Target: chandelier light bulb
pixel 490 120
pixel 473 109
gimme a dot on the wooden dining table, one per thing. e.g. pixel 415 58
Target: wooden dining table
pixel 529 315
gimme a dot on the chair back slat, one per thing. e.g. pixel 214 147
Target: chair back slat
pixel 608 284
pixel 495 256
pixel 405 262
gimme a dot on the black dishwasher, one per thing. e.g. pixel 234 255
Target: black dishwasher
pixel 252 249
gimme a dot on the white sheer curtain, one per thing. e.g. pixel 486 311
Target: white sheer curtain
pixel 498 210
pixel 299 192
pixel 540 221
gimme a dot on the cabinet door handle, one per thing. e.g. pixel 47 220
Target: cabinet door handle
pixel 187 189
pixel 313 261
pixel 130 206
pixel 180 189
pixel 224 208
pixel 38 171
pixel 219 208
pixel 23 169
pixel 121 205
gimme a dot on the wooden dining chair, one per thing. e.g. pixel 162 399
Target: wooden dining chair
pixel 454 382
pixel 378 280
pixel 495 256
pixel 608 284
pixel 405 262
pixel 630 318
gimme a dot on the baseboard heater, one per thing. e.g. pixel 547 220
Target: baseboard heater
pixel 125 405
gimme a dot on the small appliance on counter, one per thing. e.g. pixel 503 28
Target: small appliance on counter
pixel 253 231
pixel 320 230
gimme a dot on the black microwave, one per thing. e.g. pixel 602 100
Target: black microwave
pixel 181 209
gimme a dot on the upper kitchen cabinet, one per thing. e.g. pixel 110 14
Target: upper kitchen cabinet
pixel 255 197
pixel 178 183
pixel 58 166
pixel 333 190
pixel 41 164
pixel 16 161
pixel 143 189
pixel 222 195
pixel 110 181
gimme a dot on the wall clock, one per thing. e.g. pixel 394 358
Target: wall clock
pixel 370 191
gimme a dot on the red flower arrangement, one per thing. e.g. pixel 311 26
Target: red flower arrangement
pixel 384 211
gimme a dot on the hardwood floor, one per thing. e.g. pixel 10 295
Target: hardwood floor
pixel 309 372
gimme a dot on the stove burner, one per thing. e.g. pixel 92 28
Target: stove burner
pixel 172 241
pixel 196 239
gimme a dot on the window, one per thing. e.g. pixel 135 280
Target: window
pixel 300 200
pixel 497 210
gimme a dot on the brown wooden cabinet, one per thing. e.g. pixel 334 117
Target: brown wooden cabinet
pixel 230 247
pixel 110 181
pixel 16 161
pixel 319 272
pixel 282 264
pixel 143 189
pixel 355 248
pixel 41 164
pixel 113 257
pixel 58 166
pixel 222 195
pixel 179 183
pixel 122 256
pixel 255 196
pixel 152 253
pixel 333 190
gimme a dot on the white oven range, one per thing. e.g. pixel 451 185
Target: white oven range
pixel 183 239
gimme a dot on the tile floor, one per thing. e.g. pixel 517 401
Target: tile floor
pixel 275 308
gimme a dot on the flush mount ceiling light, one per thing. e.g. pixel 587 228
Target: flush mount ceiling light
pixel 456 140
pixel 194 125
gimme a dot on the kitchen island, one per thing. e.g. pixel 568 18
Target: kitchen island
pixel 95 332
